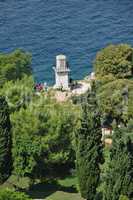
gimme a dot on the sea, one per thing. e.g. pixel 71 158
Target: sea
pixel 76 28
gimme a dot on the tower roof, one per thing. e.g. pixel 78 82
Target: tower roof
pixel 61 57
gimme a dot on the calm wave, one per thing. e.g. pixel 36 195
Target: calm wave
pixel 77 28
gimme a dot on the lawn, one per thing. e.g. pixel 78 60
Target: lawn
pixel 70 192
pixel 63 189
pixel 59 195
pixel 56 190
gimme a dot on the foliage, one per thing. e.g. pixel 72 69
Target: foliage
pixel 63 189
pixel 19 93
pixel 104 169
pixel 123 197
pixel 42 142
pixel 116 99
pixel 89 148
pixel 5 141
pixel 14 65
pixel 8 194
pixel 130 128
pixel 115 60
pixel 120 170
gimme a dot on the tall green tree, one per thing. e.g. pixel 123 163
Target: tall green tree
pixel 89 153
pixel 19 93
pixel 123 197
pixel 115 99
pixel 14 65
pixel 42 142
pixel 119 177
pixel 115 60
pixel 5 141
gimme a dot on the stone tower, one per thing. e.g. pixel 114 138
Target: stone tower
pixel 61 73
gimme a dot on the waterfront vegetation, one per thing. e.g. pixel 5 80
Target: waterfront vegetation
pixel 54 151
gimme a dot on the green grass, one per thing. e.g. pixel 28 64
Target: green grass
pixel 63 189
pixel 70 184
pixel 13 181
pixel 59 195
pixel 68 181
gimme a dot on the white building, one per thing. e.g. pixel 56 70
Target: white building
pixel 61 73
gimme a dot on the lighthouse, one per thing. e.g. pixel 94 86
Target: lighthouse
pixel 61 73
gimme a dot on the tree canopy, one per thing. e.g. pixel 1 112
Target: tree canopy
pixel 5 141
pixel 14 65
pixel 116 99
pixel 18 94
pixel 89 148
pixel 115 60
pixel 43 136
pixel 119 177
pixel 7 194
pixel 47 136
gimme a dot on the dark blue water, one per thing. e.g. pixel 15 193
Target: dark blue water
pixel 77 28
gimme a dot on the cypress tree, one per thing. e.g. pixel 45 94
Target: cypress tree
pixel 5 141
pixel 119 178
pixel 89 153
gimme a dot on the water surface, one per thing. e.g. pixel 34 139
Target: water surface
pixel 77 28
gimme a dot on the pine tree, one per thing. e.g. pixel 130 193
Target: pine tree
pixel 5 141
pixel 89 148
pixel 119 178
